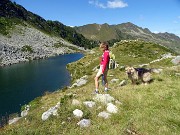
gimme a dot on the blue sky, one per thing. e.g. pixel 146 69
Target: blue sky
pixel 156 15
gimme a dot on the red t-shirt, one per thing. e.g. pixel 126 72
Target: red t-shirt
pixel 105 60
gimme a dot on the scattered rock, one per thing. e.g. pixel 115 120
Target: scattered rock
pixel 155 70
pixel 80 82
pixel 176 60
pixel 114 80
pixel 25 111
pixel 112 108
pixel 14 120
pixel 89 104
pixel 78 113
pixel 51 111
pixel 123 82
pixel 76 102
pixel 104 115
pixel 118 102
pixel 143 65
pixel 84 123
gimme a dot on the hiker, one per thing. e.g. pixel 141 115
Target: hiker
pixel 104 66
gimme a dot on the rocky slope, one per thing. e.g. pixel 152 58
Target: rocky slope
pixel 26 36
pixel 27 43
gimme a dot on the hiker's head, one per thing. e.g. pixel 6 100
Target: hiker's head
pixel 104 46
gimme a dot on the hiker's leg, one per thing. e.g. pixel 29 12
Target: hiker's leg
pixel 97 78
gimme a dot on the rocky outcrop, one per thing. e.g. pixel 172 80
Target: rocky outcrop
pixel 52 111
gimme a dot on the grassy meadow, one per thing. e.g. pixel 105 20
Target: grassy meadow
pixel 151 109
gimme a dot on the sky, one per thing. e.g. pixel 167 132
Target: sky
pixel 156 15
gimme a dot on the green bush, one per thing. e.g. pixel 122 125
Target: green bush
pixel 27 48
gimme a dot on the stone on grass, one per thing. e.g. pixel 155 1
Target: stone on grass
pixel 14 120
pixel 104 115
pixel 78 113
pixel 118 102
pixel 114 80
pixel 176 60
pixel 123 82
pixel 76 102
pixel 84 123
pixel 79 82
pixel 24 113
pixel 89 104
pixel 51 111
pixel 111 108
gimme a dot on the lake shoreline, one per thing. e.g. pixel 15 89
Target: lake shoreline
pixel 11 115
pixel 7 63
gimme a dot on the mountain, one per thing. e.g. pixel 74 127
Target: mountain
pixel 26 36
pixel 124 31
pixel 13 11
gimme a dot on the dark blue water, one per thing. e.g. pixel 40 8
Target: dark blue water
pixel 21 83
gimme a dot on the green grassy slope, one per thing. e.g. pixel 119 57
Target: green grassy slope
pixel 145 110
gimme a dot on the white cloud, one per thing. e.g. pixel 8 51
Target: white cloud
pixel 109 4
pixel 116 4
pixel 70 26
pixel 97 3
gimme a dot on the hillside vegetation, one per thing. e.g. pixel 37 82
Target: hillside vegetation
pixel 151 109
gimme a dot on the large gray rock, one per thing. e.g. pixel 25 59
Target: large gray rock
pixel 51 111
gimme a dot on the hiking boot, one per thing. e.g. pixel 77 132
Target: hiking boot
pixel 96 92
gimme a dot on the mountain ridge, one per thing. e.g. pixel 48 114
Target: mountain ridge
pixel 130 31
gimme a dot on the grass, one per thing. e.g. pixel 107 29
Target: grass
pixel 145 110
pixel 27 48
pixel 6 25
